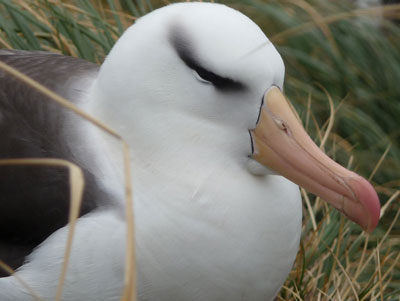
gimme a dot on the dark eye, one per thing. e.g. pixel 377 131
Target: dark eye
pixel 202 78
pixel 208 76
pixel 219 82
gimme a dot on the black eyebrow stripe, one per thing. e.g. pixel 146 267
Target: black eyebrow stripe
pixel 222 83
pixel 187 55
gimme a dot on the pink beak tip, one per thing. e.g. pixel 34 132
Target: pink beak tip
pixel 369 200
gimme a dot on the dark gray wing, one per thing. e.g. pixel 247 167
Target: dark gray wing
pixel 56 72
pixel 34 201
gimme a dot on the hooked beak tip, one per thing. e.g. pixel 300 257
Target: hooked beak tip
pixel 370 209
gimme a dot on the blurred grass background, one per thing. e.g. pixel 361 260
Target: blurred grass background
pixel 335 54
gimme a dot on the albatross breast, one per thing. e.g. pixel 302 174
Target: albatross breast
pixel 195 88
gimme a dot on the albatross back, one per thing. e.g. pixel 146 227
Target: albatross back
pixel 34 200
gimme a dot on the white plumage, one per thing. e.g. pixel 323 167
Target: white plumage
pixel 211 222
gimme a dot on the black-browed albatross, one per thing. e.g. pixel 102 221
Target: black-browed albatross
pixel 195 88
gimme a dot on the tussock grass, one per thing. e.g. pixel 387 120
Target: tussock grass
pixel 342 74
pixel 338 261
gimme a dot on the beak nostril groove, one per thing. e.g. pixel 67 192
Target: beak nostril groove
pixel 252 142
pixel 259 111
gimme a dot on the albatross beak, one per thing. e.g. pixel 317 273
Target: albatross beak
pixel 282 144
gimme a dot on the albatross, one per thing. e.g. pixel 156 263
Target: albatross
pixel 217 154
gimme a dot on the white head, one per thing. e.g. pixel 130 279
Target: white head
pixel 189 74
pixel 185 85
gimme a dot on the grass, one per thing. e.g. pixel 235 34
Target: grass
pixel 342 74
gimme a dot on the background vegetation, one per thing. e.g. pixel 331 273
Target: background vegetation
pixel 342 74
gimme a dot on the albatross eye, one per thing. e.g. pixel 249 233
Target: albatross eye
pixel 209 77
pixel 187 55
pixel 221 83
pixel 201 78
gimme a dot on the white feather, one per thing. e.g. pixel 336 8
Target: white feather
pixel 206 228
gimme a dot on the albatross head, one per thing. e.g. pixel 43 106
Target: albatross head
pixel 204 77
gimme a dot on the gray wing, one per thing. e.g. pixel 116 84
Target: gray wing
pixel 34 201
pixel 63 74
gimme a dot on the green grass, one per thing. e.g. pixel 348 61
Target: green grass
pixel 333 52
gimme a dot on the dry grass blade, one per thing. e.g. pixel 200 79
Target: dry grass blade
pixel 381 242
pixel 308 110
pixel 36 9
pixel 77 185
pixel 331 117
pixel 317 127
pixel 390 201
pixel 380 162
pixel 21 281
pixel 374 11
pixel 309 208
pixel 5 44
pixel 326 123
pixel 339 242
pixel 130 280
pixel 389 270
pixel 364 251
pixel 57 98
pixel 350 281
pixel 291 291
pixel 318 19
pixel 76 191
pixel 322 293
pixel 379 267
pixel 130 270
pixel 42 19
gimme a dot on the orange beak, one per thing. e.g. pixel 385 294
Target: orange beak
pixel 282 144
